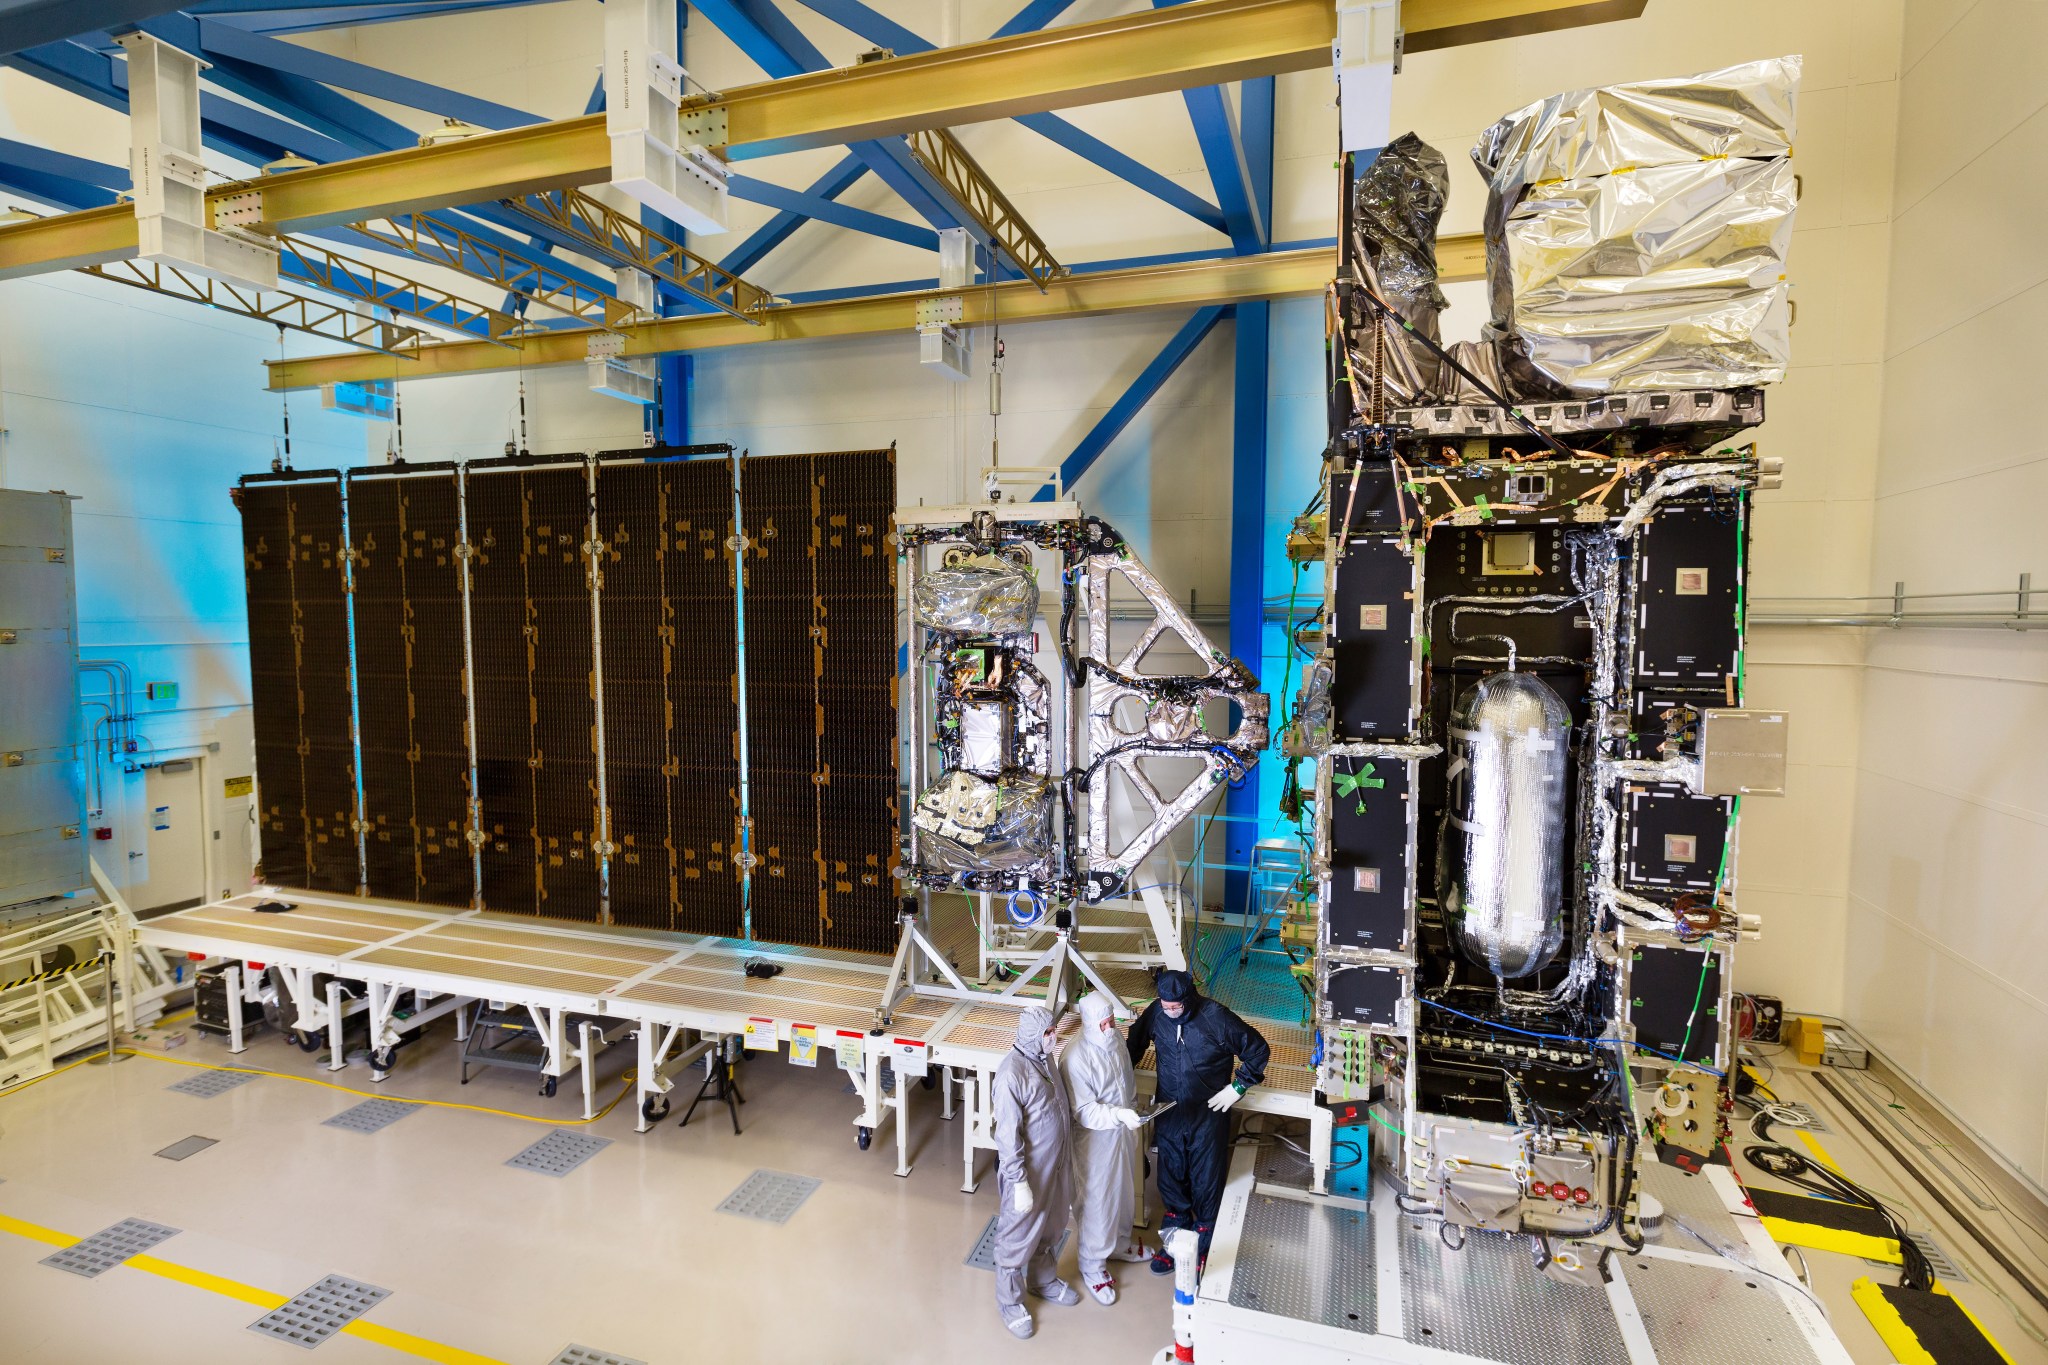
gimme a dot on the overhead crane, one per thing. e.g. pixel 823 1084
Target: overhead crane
pixel 537 169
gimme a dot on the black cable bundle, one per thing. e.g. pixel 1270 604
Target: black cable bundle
pixel 1811 1176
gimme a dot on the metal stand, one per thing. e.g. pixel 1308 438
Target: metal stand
pixel 110 1056
pixel 720 1083
pixel 1054 961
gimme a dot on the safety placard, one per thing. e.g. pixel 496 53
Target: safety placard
pixel 237 786
pixel 803 1044
pixel 761 1035
pixel 847 1043
pixel 911 1057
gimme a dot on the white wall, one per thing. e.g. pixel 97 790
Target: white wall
pixel 1947 915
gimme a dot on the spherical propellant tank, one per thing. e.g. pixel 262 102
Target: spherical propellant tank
pixel 1501 852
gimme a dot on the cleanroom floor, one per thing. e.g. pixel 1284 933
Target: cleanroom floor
pixel 624 1254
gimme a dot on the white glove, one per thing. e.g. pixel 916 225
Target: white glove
pixel 1127 1117
pixel 1020 1197
pixel 1224 1098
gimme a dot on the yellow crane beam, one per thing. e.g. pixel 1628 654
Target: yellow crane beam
pixel 941 154
pixel 1186 285
pixel 301 313
pixel 1203 42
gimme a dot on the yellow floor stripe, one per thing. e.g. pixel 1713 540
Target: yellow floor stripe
pixel 1820 1153
pixel 200 1279
pixel 260 1298
pixel 35 1232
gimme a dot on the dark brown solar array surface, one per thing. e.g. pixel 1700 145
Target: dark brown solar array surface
pixel 415 751
pixel 821 717
pixel 535 717
pixel 671 710
pixel 299 671
pixel 820 632
pixel 857 697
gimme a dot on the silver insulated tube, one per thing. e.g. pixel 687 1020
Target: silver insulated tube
pixel 1500 858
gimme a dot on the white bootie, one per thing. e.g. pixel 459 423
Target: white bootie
pixel 1131 1251
pixel 1059 1291
pixel 1104 1291
pixel 1018 1319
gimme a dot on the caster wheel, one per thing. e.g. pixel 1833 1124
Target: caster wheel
pixel 381 1062
pixel 549 1086
pixel 1003 973
pixel 862 1137
pixel 304 1041
pixel 654 1108
pixel 929 1081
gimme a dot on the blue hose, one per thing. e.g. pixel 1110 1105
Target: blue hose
pixel 1037 906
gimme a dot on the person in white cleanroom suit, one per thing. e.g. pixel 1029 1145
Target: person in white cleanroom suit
pixel 1103 1087
pixel 1034 1175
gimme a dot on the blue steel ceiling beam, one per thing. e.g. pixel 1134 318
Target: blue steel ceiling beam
pixel 62 181
pixel 777 230
pixel 302 16
pixel 1034 16
pixel 218 40
pixel 1133 399
pixel 228 126
pixel 826 211
pixel 31 23
pixel 863 22
pixel 1230 170
pixel 780 49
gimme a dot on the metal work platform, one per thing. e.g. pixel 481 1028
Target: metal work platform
pixel 677 994
pixel 1312 1279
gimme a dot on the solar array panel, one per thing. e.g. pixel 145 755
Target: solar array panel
pixel 598 643
pixel 292 546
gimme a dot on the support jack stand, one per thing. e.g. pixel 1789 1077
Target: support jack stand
pixel 720 1084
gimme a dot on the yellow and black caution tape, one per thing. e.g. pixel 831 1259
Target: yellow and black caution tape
pixel 52 974
pixel 1923 1328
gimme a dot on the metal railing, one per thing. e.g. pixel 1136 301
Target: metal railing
pixel 2001 609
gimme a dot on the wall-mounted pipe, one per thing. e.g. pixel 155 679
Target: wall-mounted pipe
pixel 2020 616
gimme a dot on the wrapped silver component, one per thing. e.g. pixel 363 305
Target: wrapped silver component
pixel 1396 206
pixel 1636 234
pixel 984 595
pixel 1314 715
pixel 972 824
pixel 1500 857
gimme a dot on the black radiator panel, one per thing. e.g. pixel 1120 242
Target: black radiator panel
pixel 408 639
pixel 292 547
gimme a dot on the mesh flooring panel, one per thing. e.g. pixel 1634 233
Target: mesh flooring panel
pixel 371 1116
pixel 1703 1315
pixel 585 1355
pixel 109 1247
pixel 770 1196
pixel 559 1153
pixel 318 1313
pixel 1488 1301
pixel 1309 1262
pixel 185 1147
pixel 983 1256
pixel 1261 988
pixel 207 1084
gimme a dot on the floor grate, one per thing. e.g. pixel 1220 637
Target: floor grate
pixel 983 1257
pixel 370 1116
pixel 1807 1120
pixel 318 1313
pixel 1938 1260
pixel 109 1247
pixel 584 1355
pixel 185 1147
pixel 771 1196
pixel 559 1153
pixel 209 1083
